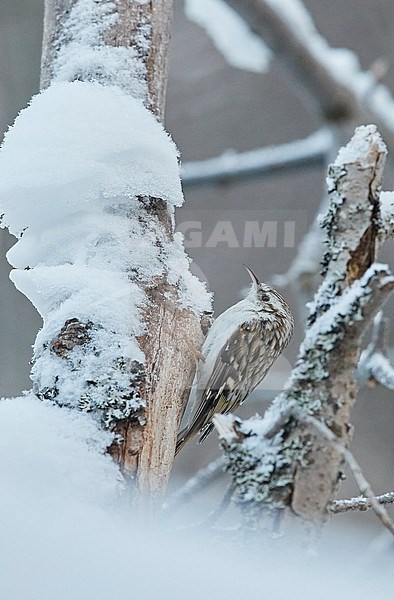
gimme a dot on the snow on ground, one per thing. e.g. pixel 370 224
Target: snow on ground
pixel 53 456
pixel 67 532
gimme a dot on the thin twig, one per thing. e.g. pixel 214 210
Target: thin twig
pixel 360 503
pixel 374 366
pixel 223 506
pixel 211 519
pixel 309 152
pixel 363 484
pixel 197 484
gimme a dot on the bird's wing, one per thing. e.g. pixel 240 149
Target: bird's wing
pixel 227 387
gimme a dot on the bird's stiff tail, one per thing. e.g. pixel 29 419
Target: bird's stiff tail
pixel 183 437
pixel 186 434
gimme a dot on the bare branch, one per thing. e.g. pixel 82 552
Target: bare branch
pixel 322 381
pixel 232 431
pixel 351 96
pixel 197 484
pixel 308 152
pixel 374 366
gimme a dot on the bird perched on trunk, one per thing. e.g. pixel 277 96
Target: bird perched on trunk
pixel 240 348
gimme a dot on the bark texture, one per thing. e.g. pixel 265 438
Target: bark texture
pixel 55 15
pixel 145 443
pixel 135 19
pixel 157 15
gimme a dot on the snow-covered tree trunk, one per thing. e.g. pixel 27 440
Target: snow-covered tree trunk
pixel 145 26
pixel 284 461
pixel 99 256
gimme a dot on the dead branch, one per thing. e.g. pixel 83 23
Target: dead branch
pixel 363 485
pixel 309 152
pixel 233 434
pixel 295 467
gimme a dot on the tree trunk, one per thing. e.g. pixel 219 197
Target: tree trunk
pixel 135 18
pixel 144 446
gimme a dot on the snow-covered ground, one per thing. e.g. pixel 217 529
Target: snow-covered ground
pixel 67 532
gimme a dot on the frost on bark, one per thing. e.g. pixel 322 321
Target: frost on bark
pixel 281 461
pixel 143 26
pixel 121 310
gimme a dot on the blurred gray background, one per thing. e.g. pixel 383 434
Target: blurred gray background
pixel 211 108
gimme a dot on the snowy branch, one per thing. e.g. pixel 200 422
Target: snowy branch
pixel 233 38
pixel 294 466
pixel 332 78
pixel 238 442
pixel 308 152
pixel 360 503
pixel 117 42
pixel 374 366
pixel 363 485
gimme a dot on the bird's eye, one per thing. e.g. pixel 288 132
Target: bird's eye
pixel 265 298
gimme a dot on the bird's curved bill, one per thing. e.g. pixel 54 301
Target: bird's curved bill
pixel 253 277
